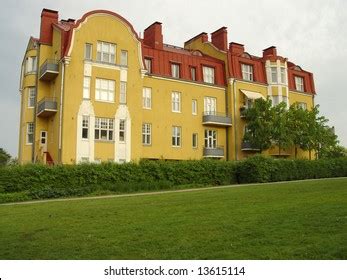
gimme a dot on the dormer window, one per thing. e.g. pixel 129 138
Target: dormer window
pixel 208 73
pixel 299 83
pixel 283 75
pixel 247 72
pixel 274 75
pixel 175 70
pixel 148 64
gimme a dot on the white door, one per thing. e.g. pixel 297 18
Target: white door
pixel 43 140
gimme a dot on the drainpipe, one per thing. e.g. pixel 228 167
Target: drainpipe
pixel 63 61
pixel 227 128
pixel 233 81
pixel 33 158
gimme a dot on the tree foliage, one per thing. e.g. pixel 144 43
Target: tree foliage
pixel 4 157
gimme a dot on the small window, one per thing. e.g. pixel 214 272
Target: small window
pixel 275 100
pixel 208 73
pixel 283 75
pixel 86 87
pixel 175 70
pixel 193 73
pixel 30 133
pixel 121 130
pixel 194 140
pixel 148 64
pixel 147 98
pixel 84 159
pixel 123 93
pixel 176 136
pixel 247 72
pixel 299 83
pixel 88 51
pixel 31 97
pixel 104 129
pixel 85 127
pixel 210 139
pixel 146 134
pixel 194 107
pixel 302 105
pixel 176 102
pixel 106 52
pixel 31 64
pixel 124 58
pixel 274 75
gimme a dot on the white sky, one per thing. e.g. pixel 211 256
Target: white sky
pixel 311 33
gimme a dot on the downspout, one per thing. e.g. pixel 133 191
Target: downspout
pixel 20 156
pixel 61 110
pixel 35 107
pixel 227 128
pixel 234 101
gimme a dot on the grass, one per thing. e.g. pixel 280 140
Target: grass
pixel 296 220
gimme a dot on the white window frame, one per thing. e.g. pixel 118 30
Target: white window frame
pixel 274 76
pixel 146 134
pixel 208 74
pixel 176 102
pixel 86 51
pixel 175 70
pixel 210 139
pixel 247 72
pixel 104 90
pixel 106 52
pixel 123 93
pixel 30 134
pixel 176 136
pixel 124 58
pixel 86 87
pixel 31 97
pixel 210 105
pixel 195 140
pixel 194 107
pixel 283 75
pixel 193 73
pixel 148 64
pixel 147 98
pixel 122 131
pixel 299 83
pixel 302 105
pixel 31 64
pixel 275 100
pixel 104 125
pixel 85 127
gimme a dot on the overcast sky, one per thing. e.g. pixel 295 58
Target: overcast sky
pixel 311 33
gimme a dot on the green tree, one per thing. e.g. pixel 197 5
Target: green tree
pixel 259 124
pixel 281 133
pixel 4 157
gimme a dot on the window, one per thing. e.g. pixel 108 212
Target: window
pixel 85 127
pixel 124 58
pixel 104 90
pixel 123 93
pixel 146 134
pixel 193 73
pixel 121 130
pixel 210 139
pixel 176 136
pixel 175 70
pixel 247 72
pixel 30 133
pixel 147 98
pixel 208 73
pixel 106 52
pixel 148 64
pixel 31 97
pixel 299 83
pixel 194 107
pixel 210 105
pixel 285 99
pixel 176 101
pixel 275 100
pixel 84 159
pixel 274 74
pixel 283 75
pixel 86 88
pixel 302 105
pixel 195 140
pixel 248 102
pixel 88 51
pixel 31 64
pixel 104 129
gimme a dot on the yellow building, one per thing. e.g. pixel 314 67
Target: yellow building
pixel 93 91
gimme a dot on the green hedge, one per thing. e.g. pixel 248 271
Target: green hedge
pixel 19 183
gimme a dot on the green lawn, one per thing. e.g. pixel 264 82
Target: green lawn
pixel 297 220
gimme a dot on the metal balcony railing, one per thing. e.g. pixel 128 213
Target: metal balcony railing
pixel 47 107
pixel 247 146
pixel 215 118
pixel 49 70
pixel 214 152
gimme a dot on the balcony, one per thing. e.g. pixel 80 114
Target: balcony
pixel 217 119
pixel 49 70
pixel 247 146
pixel 46 107
pixel 217 152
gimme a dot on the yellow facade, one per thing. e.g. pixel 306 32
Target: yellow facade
pixel 70 113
